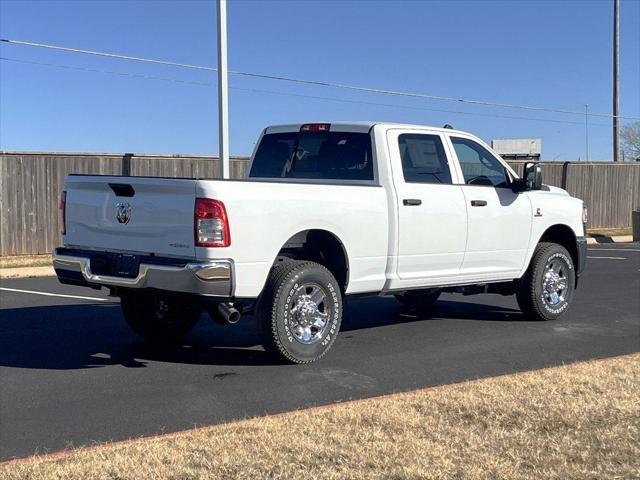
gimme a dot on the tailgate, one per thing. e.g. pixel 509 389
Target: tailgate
pixel 134 214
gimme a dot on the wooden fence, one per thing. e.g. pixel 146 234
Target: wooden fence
pixel 610 190
pixel 30 185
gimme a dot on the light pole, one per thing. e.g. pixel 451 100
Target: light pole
pixel 616 79
pixel 586 128
pixel 223 91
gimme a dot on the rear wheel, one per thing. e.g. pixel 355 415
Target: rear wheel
pixel 546 290
pixel 419 299
pixel 159 318
pixel 300 311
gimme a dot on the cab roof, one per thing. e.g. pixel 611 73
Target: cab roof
pixel 356 126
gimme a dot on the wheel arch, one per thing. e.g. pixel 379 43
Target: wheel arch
pixel 321 246
pixel 562 235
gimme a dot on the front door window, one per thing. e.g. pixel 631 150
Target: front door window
pixel 478 165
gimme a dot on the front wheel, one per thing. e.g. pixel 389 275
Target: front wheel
pixel 300 311
pixel 159 319
pixel 546 290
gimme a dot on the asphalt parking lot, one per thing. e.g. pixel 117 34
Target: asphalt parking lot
pixel 72 373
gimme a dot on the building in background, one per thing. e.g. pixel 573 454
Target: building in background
pixel 518 148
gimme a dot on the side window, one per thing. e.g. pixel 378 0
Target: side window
pixel 478 165
pixel 423 159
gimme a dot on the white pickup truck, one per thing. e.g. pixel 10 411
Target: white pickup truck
pixel 326 211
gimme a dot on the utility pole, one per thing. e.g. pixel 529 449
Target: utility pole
pixel 586 128
pixel 223 91
pixel 616 79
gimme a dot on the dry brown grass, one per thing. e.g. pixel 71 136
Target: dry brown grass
pixel 26 272
pixel 580 421
pixel 26 266
pixel 609 232
pixel 25 261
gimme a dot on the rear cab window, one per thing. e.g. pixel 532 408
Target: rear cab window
pixel 314 154
pixel 423 158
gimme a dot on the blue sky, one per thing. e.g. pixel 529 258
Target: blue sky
pixel 547 53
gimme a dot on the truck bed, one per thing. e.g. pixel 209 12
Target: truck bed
pixel 263 216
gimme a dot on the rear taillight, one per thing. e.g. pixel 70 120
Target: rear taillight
pixel 211 225
pixel 63 212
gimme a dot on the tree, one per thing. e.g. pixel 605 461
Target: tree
pixel 630 141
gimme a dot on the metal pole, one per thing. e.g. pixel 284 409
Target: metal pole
pixel 223 100
pixel 616 79
pixel 586 128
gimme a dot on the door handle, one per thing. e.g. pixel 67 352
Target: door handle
pixel 411 202
pixel 478 203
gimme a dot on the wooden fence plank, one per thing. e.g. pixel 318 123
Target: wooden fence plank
pixel 31 183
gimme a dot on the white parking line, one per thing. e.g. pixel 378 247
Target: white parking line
pixel 609 258
pixel 47 294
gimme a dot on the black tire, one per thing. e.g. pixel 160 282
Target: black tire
pixel 160 319
pixel 287 309
pixel 418 299
pixel 535 291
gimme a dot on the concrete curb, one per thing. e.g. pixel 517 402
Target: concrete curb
pixel 26 272
pixel 602 239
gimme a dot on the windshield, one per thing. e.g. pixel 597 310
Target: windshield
pixel 315 155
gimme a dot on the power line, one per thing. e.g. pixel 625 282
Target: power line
pixel 288 94
pixel 409 107
pixel 315 82
pixel 109 55
pixel 100 70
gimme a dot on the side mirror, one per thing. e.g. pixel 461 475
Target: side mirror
pixel 531 178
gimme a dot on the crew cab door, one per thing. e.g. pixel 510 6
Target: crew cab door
pixel 431 211
pixel 499 220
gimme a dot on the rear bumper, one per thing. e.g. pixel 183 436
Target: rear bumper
pixel 209 278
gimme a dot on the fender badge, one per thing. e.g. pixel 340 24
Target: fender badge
pixel 538 212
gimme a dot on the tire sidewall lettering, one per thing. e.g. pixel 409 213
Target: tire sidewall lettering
pixel 333 292
pixel 336 315
pixel 285 312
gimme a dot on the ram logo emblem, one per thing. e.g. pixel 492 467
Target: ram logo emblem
pixel 123 213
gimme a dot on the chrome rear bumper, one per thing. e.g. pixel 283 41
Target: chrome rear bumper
pixel 210 278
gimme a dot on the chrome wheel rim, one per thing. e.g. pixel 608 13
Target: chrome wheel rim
pixel 310 312
pixel 555 282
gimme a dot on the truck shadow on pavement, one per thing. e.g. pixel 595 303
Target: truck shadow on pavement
pixel 62 337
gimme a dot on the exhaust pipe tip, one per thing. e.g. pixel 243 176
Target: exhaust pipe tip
pixel 229 313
